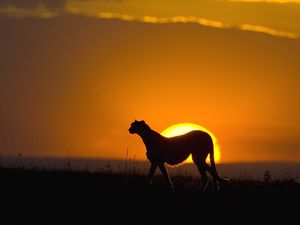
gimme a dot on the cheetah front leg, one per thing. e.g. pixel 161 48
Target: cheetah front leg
pixel 166 174
pixel 151 173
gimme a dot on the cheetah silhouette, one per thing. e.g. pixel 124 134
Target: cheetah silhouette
pixel 174 150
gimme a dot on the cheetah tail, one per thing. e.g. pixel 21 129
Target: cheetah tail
pixel 213 165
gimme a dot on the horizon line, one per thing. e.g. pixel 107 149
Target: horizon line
pixel 64 157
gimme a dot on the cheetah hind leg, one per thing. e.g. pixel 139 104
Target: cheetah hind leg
pixel 204 177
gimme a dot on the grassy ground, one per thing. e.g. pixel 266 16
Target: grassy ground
pixel 69 197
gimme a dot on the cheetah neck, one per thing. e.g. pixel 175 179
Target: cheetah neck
pixel 149 137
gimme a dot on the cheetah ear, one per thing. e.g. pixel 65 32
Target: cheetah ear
pixel 143 121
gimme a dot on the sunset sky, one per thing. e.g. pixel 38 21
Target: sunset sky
pixel 74 74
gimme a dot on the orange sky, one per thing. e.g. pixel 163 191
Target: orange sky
pixel 72 79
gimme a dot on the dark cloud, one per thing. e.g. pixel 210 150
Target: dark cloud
pixel 32 4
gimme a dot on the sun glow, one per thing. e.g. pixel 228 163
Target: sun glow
pixel 183 128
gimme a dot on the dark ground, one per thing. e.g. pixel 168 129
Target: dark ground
pixel 68 197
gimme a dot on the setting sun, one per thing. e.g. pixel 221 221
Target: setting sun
pixel 183 128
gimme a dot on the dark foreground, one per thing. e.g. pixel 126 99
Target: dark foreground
pixel 66 197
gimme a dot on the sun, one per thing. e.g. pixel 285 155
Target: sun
pixel 182 128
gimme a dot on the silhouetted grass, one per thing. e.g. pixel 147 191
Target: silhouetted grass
pixel 81 197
